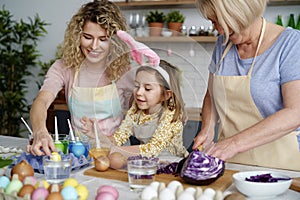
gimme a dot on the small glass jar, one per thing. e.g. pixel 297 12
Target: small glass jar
pixel 184 30
pixel 193 31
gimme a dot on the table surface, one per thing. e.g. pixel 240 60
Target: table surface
pixel 93 183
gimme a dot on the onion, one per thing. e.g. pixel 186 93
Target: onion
pixel 23 169
pixel 102 163
pixel 201 168
pixel 117 160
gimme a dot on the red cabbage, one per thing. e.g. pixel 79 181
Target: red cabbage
pixel 264 178
pixel 201 168
pixel 167 168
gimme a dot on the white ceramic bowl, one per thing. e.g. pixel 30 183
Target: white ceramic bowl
pixel 261 189
pixel 166 33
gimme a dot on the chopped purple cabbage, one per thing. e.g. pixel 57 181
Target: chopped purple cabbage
pixel 169 168
pixel 265 178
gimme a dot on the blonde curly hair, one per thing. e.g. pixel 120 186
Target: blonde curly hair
pixel 109 17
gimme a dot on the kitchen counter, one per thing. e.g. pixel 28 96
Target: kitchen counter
pixel 125 194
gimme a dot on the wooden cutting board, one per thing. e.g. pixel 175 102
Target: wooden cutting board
pixel 220 184
pixel 295 184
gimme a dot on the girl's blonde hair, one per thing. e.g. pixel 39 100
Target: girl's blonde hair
pixel 109 17
pixel 236 15
pixel 176 99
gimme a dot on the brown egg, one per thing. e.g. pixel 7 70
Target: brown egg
pixel 101 163
pixel 23 169
pixel 26 189
pixel 55 196
pixel 117 160
pixel 54 188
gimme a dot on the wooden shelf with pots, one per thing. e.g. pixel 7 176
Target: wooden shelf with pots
pixel 147 4
pixel 205 39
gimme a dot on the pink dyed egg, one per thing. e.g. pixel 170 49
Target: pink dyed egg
pixel 39 193
pixel 110 189
pixel 105 196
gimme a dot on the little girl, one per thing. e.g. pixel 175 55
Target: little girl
pixel 157 114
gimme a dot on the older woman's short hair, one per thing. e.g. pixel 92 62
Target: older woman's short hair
pixel 232 14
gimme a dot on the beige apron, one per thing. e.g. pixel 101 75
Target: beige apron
pixel 237 111
pixel 144 132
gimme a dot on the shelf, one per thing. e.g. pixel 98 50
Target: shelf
pixel 160 4
pixel 283 2
pixel 186 3
pixel 205 39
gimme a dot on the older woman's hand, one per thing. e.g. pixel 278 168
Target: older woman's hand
pixel 224 149
pixel 203 141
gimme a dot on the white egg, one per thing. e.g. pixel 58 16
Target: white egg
pixel 19 151
pixel 5 150
pixel 204 197
pixel 173 185
pixel 179 190
pixel 148 193
pixel 209 192
pixel 185 196
pixel 218 195
pixel 161 186
pixel 155 185
pixel 198 192
pixel 190 190
pixel 166 194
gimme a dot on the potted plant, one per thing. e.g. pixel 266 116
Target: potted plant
pixel 175 19
pixel 155 21
pixel 18 56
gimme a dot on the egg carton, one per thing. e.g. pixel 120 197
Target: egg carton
pixel 6 150
pixel 13 196
pixel 37 161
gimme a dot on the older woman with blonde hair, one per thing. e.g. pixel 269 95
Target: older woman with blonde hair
pixel 91 72
pixel 253 89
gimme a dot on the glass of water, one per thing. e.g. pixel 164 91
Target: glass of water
pixel 141 173
pixel 57 168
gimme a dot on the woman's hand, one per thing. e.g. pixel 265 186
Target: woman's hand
pixel 223 149
pixel 42 144
pixel 203 141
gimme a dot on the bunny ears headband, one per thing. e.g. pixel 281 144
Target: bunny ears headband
pixel 138 50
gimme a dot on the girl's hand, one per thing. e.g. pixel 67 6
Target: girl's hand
pixel 88 126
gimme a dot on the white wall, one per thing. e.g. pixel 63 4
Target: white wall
pixel 58 13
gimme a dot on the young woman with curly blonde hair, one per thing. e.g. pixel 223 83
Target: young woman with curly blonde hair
pixel 92 69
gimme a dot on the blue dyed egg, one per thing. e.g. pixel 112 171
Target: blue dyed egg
pixel 4 181
pixel 69 193
pixel 77 149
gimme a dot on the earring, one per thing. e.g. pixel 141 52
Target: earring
pixel 171 104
